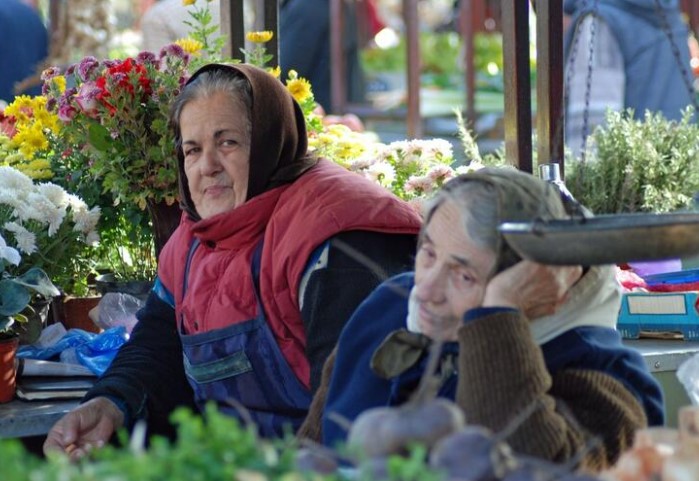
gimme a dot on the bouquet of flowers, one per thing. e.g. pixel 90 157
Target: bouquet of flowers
pixel 115 114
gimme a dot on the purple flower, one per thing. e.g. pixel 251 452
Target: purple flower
pixel 173 50
pixel 87 66
pixel 66 112
pixel 146 57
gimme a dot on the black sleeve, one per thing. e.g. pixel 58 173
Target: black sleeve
pixel 358 261
pixel 148 372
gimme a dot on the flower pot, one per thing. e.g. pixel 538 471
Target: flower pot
pixel 8 370
pixel 73 312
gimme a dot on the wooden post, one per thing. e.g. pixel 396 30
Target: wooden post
pixel 414 121
pixel 549 82
pixel 338 72
pixel 232 26
pixel 518 115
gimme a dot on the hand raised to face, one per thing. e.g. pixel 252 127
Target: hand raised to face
pixel 535 289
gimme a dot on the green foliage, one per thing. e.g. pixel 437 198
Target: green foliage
pixel 441 59
pixel 127 247
pixel 649 165
pixel 213 447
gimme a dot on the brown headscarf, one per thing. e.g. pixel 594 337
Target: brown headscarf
pixel 278 144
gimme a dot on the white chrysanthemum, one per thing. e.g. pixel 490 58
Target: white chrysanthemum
pixel 13 179
pixel 44 211
pixel 86 220
pixel 382 173
pixel 419 185
pixel 440 173
pixel 361 163
pixel 92 238
pixel 10 199
pixel 54 193
pixel 440 150
pixel 76 203
pixel 25 239
pixel 10 254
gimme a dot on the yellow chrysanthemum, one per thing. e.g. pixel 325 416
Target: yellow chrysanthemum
pixel 191 46
pixel 275 72
pixel 60 82
pixel 30 140
pixel 20 108
pixel 187 3
pixel 263 36
pixel 300 88
pixel 37 169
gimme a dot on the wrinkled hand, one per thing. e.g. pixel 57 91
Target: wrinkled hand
pixel 86 427
pixel 535 289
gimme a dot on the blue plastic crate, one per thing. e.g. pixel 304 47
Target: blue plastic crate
pixel 659 312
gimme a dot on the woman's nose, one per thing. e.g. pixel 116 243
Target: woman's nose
pixel 210 163
pixel 431 285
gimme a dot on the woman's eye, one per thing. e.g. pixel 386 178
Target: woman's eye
pixel 462 277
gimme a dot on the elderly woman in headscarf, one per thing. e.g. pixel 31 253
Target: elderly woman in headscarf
pixel 258 280
pixel 515 333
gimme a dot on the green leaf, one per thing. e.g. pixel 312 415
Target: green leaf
pixel 13 297
pixel 99 137
pixel 37 280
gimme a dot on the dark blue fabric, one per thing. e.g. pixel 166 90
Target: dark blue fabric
pixel 653 78
pixel 355 387
pixel 23 46
pixel 242 367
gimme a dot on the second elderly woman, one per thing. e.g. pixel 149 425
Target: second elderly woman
pixel 516 333
pixel 256 283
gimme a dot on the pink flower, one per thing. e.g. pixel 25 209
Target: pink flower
pixel 87 98
pixel 66 112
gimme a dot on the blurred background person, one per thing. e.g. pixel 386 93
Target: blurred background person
pixel 634 64
pixel 23 48
pixel 304 33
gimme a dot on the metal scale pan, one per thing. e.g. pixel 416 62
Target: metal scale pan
pixel 605 239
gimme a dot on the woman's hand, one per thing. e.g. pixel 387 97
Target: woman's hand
pixel 535 289
pixel 88 426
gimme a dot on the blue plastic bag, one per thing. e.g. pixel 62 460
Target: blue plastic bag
pixel 94 351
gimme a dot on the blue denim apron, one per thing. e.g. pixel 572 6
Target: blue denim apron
pixel 243 362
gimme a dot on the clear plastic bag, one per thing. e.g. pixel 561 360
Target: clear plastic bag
pixel 688 375
pixel 118 309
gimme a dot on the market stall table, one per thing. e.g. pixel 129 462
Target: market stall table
pixel 663 357
pixel 19 419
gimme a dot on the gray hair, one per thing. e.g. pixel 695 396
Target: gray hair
pixel 207 84
pixel 478 204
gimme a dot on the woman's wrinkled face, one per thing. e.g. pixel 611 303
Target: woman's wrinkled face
pixel 451 273
pixel 216 147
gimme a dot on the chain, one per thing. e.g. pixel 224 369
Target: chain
pixel 665 25
pixel 588 83
pixel 569 71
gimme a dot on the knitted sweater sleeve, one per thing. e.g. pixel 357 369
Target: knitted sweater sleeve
pixel 502 372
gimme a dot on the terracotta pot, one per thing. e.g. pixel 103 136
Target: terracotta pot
pixel 73 312
pixel 8 370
